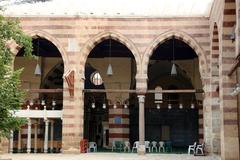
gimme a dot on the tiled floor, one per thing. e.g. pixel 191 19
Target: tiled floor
pixel 105 156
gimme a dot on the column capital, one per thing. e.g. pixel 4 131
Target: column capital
pixel 141 98
pixel 29 121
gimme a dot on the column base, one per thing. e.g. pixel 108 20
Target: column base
pixel 141 150
pixel 28 150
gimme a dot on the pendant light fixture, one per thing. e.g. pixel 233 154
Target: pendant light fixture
pixel 93 105
pixel 174 69
pixel 115 106
pixel 104 106
pixel 158 106
pixel 109 69
pixel 43 102
pixel 93 102
pixel 192 104
pixel 125 105
pixel 180 106
pixel 38 71
pixel 169 106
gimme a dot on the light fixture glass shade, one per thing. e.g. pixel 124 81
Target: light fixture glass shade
pixel 31 103
pixel 93 105
pixel 37 71
pixel 173 70
pixel 181 106
pixel 169 106
pixel 125 106
pixel 43 102
pixel 115 106
pixel 104 106
pixel 109 70
pixel 53 103
pixel 158 106
pixel 192 106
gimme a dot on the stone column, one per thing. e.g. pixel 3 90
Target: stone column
pixel 207 117
pixel 52 133
pixel 19 140
pixel 29 136
pixel 11 142
pixel 73 115
pixel 35 136
pixel 46 137
pixel 141 148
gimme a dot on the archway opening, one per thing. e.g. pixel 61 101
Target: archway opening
pixel 176 117
pixel 111 121
pixel 44 92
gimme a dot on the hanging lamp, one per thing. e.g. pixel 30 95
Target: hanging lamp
pixel 104 106
pixel 115 106
pixel 93 105
pixel 109 68
pixel 38 71
pixel 174 69
pixel 180 106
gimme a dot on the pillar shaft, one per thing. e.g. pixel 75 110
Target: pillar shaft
pixel 46 137
pixel 11 142
pixel 52 133
pixel 29 136
pixel 19 140
pixel 141 149
pixel 35 136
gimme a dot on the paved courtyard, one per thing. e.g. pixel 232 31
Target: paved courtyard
pixel 105 156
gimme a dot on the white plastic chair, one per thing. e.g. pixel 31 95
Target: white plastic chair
pixel 113 145
pixel 192 148
pixel 154 146
pixel 135 146
pixel 127 146
pixel 92 145
pixel 161 146
pixel 147 146
pixel 200 148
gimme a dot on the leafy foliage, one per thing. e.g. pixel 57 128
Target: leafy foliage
pixel 11 96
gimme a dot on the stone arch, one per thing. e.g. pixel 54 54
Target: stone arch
pixel 90 44
pixel 181 36
pixel 49 37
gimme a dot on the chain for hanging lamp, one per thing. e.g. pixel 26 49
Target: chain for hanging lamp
pixel 174 69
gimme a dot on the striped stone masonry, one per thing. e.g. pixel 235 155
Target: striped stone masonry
pixel 118 123
pixel 200 123
pixel 214 93
pixel 75 37
pixel 72 123
pixel 228 103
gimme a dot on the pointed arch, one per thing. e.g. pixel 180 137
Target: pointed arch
pixel 90 44
pixel 181 36
pixel 49 37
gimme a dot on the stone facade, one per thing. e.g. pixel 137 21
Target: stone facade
pixel 75 37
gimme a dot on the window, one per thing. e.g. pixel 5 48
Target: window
pixel 96 79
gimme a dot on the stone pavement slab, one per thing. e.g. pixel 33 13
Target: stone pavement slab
pixel 106 156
